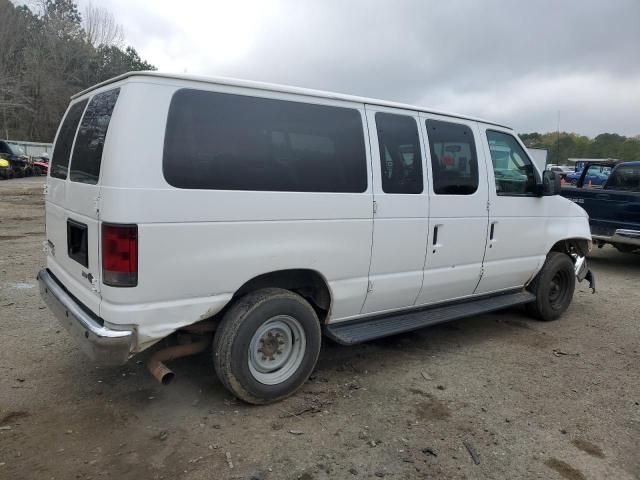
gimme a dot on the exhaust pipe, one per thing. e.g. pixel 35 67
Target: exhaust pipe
pixel 156 363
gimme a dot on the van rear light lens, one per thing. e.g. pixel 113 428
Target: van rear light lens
pixel 119 255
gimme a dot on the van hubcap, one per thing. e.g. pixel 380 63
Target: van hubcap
pixel 276 350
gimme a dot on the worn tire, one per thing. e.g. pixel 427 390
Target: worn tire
pixel 234 335
pixel 553 287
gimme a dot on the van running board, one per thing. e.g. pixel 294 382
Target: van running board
pixel 357 331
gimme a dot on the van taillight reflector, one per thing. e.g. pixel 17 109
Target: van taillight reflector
pixel 119 255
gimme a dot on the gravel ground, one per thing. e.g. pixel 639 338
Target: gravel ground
pixel 556 400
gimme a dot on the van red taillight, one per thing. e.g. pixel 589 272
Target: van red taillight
pixel 120 255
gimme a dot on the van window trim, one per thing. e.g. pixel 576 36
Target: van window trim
pixel 536 174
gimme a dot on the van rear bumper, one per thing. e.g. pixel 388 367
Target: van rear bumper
pixel 104 345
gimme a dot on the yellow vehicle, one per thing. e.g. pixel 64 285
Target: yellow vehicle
pixel 5 168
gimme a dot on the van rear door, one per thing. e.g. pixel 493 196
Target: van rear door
pixel 73 199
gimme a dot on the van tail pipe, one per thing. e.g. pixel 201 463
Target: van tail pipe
pixel 156 363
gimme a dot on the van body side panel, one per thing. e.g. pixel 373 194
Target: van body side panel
pixel 200 266
pixel 198 246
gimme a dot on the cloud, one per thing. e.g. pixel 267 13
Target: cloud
pixel 514 62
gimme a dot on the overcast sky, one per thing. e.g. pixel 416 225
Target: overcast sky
pixel 517 62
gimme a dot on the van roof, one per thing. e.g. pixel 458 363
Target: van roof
pixel 281 88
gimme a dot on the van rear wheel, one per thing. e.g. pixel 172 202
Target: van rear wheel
pixel 553 288
pixel 267 345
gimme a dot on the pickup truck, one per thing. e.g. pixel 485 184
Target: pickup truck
pixel 614 209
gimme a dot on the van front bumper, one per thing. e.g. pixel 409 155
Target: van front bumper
pixel 105 345
pixel 583 272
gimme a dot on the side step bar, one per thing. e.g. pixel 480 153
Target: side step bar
pixel 362 330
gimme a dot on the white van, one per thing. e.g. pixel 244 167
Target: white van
pixel 256 218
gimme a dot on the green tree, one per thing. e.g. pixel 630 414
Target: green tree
pixel 46 55
pixel 565 145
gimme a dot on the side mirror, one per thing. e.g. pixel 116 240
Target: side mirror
pixel 550 183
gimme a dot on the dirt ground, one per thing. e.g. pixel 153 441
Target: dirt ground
pixel 556 400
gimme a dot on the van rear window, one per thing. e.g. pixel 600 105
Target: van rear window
pixel 233 142
pixel 87 152
pixel 62 149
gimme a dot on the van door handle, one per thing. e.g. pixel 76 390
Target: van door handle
pixel 436 245
pixel 493 229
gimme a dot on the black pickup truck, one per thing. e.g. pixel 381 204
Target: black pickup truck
pixel 614 209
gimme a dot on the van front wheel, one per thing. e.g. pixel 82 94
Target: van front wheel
pixel 267 345
pixel 553 287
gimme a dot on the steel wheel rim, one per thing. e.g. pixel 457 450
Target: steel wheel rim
pixel 276 350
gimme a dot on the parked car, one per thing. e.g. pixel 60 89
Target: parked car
pixel 614 210
pixel 40 164
pixel 269 215
pixel 19 162
pixel 595 177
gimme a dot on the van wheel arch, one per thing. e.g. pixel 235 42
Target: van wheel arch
pixel 309 284
pixel 572 246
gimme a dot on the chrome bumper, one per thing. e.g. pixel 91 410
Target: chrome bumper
pixel 583 272
pixel 625 236
pixel 102 344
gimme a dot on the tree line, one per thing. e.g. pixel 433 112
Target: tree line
pixel 49 50
pixel 565 145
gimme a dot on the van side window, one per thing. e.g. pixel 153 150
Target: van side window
pixel 400 160
pixel 224 141
pixel 513 170
pixel 453 158
pixel 87 152
pixel 62 149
